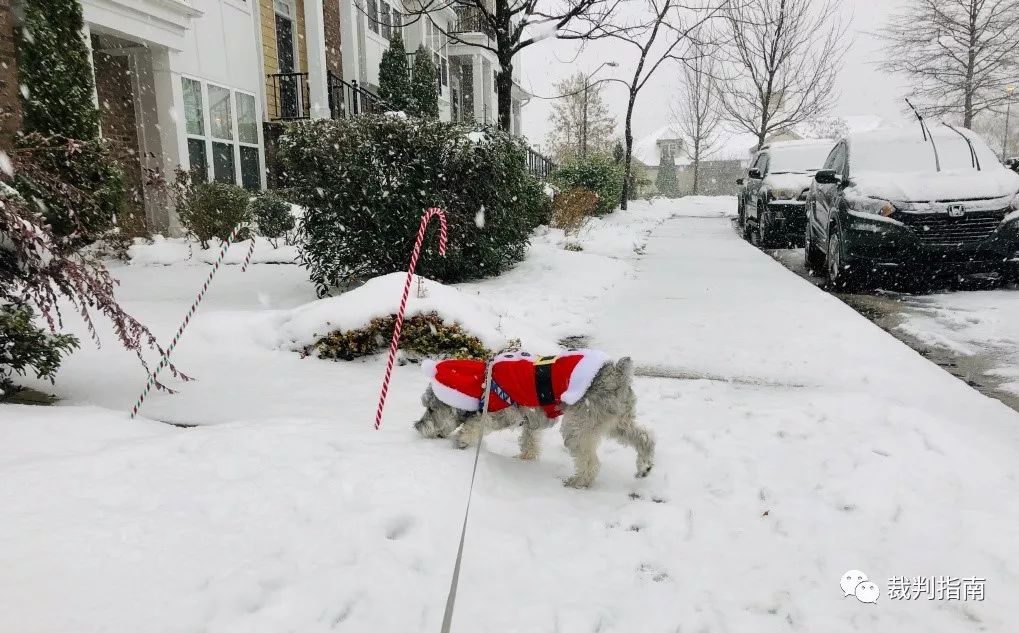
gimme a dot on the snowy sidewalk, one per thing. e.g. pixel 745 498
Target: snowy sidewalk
pixel 838 448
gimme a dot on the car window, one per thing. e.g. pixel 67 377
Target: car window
pixel 839 166
pixel 764 164
pixel 832 157
pixel 758 162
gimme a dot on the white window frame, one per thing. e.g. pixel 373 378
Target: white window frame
pixel 235 142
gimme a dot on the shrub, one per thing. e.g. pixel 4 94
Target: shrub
pixel 56 170
pixel 211 210
pixel 572 209
pixel 422 334
pixel 394 75
pixel 596 173
pixel 424 85
pixel 366 181
pixel 24 347
pixel 666 181
pixel 273 216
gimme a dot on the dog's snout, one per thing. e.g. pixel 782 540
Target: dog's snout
pixel 419 424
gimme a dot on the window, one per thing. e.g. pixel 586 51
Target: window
pixel 397 21
pixel 222 137
pixel 386 20
pixel 372 9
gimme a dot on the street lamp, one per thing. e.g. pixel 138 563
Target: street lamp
pixel 587 87
pixel 1008 114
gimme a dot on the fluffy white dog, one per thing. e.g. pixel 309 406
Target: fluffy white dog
pixel 593 395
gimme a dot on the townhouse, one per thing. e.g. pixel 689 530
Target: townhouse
pixel 201 84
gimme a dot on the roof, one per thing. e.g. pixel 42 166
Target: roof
pixel 809 142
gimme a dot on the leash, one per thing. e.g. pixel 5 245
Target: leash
pixel 447 616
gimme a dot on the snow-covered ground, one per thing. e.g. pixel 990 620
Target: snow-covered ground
pixel 816 444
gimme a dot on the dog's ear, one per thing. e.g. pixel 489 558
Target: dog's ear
pixel 625 366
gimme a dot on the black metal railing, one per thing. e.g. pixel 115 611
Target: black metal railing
pixel 288 96
pixel 540 166
pixel 348 99
pixel 471 20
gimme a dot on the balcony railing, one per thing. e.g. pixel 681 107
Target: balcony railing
pixel 288 96
pixel 471 20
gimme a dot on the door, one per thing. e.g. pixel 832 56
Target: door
pixel 289 83
pixel 754 185
pixel 827 199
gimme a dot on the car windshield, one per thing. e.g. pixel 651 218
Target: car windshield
pixel 914 154
pixel 798 158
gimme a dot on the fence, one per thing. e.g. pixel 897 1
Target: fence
pixel 348 99
pixel 471 20
pixel 540 166
pixel 288 96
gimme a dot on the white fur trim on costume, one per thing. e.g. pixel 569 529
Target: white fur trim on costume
pixel 583 374
pixel 429 367
pixel 454 398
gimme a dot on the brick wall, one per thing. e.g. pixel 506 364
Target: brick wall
pixel 10 106
pixel 115 88
pixel 334 60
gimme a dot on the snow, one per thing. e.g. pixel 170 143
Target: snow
pixel 166 251
pixel 798 156
pixel 813 443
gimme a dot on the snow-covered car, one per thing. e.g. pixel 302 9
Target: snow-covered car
pixel 773 194
pixel 927 201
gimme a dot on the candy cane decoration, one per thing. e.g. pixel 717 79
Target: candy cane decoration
pixel 429 214
pixel 247 258
pixel 187 317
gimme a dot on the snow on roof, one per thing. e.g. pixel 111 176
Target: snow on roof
pixel 730 145
pixel 807 142
pixel 646 149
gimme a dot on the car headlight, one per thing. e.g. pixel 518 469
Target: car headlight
pixel 785 194
pixel 877 206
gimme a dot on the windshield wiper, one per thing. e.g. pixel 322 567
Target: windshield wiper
pixel 974 160
pixel 927 135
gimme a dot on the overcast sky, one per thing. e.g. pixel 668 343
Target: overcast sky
pixel 863 89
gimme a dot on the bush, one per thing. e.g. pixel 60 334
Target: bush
pixel 77 185
pixel 422 334
pixel 596 173
pixel 273 216
pixel 394 75
pixel 24 347
pixel 366 181
pixel 572 209
pixel 211 210
pixel 424 85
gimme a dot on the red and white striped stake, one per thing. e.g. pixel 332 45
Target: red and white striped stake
pixel 429 214
pixel 187 317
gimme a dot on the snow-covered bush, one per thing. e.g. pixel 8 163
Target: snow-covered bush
pixel 273 216
pixel 596 173
pixel 365 183
pixel 24 346
pixel 424 86
pixel 394 75
pixel 425 335
pixel 211 210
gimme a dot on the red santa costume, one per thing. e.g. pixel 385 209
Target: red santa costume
pixel 517 379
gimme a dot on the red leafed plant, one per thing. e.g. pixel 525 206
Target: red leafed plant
pixel 40 265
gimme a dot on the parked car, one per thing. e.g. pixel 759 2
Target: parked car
pixel 915 200
pixel 1012 163
pixel 773 194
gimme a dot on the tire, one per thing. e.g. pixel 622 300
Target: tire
pixel 838 270
pixel 813 258
pixel 764 236
pixel 744 226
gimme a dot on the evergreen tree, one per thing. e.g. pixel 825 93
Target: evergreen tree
pixel 666 180
pixel 425 86
pixel 394 75
pixel 56 70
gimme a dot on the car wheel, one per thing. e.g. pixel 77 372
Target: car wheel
pixel 838 268
pixel 764 237
pixel 813 258
pixel 744 226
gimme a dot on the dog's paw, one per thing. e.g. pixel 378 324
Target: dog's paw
pixel 461 443
pixel 577 482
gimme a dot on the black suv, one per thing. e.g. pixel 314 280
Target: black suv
pixel 772 196
pixel 913 200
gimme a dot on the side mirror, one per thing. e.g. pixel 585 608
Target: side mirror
pixel 827 177
pixel 755 173
pixel 739 181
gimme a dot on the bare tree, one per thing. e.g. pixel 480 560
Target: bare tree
pixel 783 56
pixel 656 31
pixel 581 121
pixel 697 112
pixel 510 26
pixel 959 54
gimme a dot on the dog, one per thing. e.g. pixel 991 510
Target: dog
pixel 591 394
